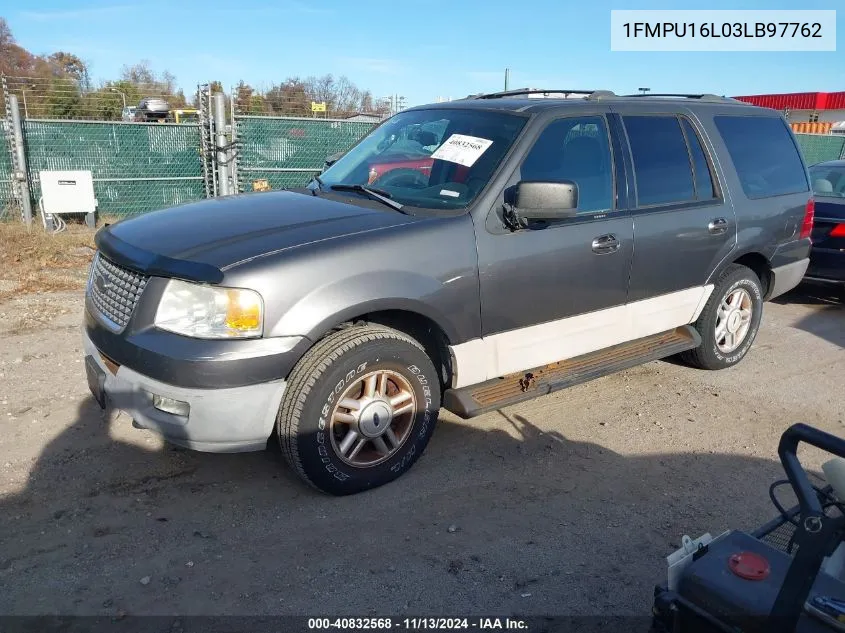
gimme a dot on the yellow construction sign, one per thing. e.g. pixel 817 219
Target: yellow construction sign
pixel 318 106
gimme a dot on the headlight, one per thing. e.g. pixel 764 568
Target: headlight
pixel 210 311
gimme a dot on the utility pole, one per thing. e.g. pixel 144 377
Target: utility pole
pixel 20 174
pixel 218 104
pixel 507 77
pixel 122 95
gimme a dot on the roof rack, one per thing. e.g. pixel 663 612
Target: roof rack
pixel 700 97
pixel 596 95
pixel 588 94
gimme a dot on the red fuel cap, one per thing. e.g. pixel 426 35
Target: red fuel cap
pixel 749 566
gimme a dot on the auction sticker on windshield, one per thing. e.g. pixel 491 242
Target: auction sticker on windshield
pixel 462 149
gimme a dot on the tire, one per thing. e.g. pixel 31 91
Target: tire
pixel 715 354
pixel 313 426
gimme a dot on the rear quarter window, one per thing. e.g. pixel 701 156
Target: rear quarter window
pixel 766 158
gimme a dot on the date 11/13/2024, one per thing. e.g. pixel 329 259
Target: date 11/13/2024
pixel 418 624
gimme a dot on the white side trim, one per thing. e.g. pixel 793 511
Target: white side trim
pixel 517 350
pixel 705 296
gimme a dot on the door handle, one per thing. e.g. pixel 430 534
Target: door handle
pixel 718 226
pixel 605 244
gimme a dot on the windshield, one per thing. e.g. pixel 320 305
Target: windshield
pixel 828 181
pixel 429 158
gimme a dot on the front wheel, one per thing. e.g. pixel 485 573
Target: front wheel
pixel 359 409
pixel 729 322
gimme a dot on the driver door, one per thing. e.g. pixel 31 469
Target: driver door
pixel 557 289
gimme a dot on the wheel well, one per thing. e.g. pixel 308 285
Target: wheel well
pixel 760 265
pixel 422 329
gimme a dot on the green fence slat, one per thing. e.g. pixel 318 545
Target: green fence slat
pixel 7 196
pixel 817 148
pixel 136 167
pixel 269 144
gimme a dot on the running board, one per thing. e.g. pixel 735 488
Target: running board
pixel 468 402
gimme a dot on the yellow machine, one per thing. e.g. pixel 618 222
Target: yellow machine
pixel 185 115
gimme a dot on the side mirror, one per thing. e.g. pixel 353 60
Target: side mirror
pixel 425 138
pixel 331 160
pixel 535 200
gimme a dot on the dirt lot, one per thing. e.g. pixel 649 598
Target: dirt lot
pixel 563 505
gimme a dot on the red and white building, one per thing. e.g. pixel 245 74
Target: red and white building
pixel 804 107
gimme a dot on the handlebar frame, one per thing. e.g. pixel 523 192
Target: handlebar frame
pixel 816 531
pixel 787 451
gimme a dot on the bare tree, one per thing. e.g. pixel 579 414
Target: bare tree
pixel 322 90
pixel 140 73
pixel 168 80
pixel 347 96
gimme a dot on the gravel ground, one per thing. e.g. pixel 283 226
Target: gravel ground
pixel 567 504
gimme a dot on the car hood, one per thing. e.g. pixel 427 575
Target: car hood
pixel 197 241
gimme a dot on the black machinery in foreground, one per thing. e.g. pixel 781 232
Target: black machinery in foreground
pixel 787 576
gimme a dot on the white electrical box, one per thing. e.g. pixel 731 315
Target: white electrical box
pixel 67 192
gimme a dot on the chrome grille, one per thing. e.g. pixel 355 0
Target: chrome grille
pixel 113 291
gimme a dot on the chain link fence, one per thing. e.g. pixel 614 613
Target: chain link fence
pixel 68 125
pixel 8 205
pixel 288 151
pixel 136 167
pixel 817 148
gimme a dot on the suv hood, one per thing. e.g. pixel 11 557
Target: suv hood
pixel 197 241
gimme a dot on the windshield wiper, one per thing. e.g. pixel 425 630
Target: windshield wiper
pixel 375 194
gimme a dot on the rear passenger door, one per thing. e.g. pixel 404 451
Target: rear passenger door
pixel 683 225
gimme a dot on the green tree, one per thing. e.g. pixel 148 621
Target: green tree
pixel 243 97
pixel 290 97
pixel 257 105
pixel 64 100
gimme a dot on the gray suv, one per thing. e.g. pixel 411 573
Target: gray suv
pixel 529 245
pixel 152 109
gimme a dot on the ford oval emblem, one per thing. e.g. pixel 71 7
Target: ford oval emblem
pixel 101 283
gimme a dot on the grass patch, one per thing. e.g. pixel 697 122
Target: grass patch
pixel 32 260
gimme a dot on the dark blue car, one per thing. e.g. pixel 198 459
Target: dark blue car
pixel 827 259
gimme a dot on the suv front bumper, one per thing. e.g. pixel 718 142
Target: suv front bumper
pixel 232 389
pixel 219 420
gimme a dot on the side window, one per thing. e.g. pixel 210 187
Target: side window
pixel 661 160
pixel 575 149
pixel 764 155
pixel 703 178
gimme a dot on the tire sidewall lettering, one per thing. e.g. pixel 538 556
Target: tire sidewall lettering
pixel 407 454
pixel 737 355
pixel 325 411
